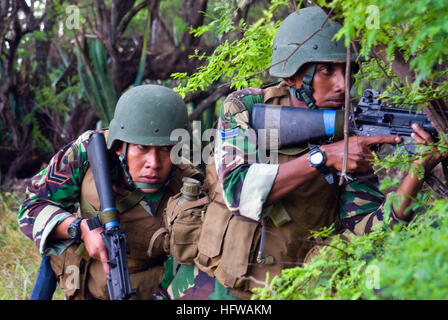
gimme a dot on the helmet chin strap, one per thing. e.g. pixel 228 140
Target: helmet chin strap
pixel 305 92
pixel 137 184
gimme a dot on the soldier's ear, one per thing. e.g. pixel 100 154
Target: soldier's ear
pixel 290 81
pixel 296 79
pixel 118 147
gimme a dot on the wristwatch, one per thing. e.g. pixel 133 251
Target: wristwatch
pixel 74 230
pixel 317 159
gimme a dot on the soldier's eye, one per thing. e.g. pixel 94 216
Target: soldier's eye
pixel 142 147
pixel 166 148
pixel 326 68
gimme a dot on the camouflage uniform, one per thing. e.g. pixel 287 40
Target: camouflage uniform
pixel 54 195
pixel 187 282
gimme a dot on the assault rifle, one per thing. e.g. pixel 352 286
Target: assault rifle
pixel 118 282
pixel 295 126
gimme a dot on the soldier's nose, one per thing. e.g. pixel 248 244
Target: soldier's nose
pixel 152 159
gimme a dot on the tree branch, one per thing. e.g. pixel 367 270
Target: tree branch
pixel 127 19
pixel 348 59
pixel 218 93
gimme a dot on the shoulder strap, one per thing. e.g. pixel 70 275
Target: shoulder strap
pixel 128 202
pixel 86 207
pixel 275 92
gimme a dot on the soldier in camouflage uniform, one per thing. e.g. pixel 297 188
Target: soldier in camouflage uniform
pixel 143 178
pixel 274 206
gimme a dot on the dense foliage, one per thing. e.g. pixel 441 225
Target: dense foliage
pixel 242 62
pixel 63 65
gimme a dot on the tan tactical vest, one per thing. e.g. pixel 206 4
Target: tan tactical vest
pixel 146 272
pixel 228 244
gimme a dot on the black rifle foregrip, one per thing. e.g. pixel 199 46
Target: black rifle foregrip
pixel 118 282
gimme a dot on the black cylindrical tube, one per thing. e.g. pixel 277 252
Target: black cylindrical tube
pixel 97 157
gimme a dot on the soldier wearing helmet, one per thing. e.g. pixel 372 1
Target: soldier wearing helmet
pixel 143 178
pixel 264 212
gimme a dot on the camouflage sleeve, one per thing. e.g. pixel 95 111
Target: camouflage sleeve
pixel 245 181
pixel 361 205
pixel 52 196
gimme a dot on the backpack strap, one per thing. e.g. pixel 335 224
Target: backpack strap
pixel 126 203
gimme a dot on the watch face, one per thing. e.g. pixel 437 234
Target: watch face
pixel 73 229
pixel 316 158
pixel 71 232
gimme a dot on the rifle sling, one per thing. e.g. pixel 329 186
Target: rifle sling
pixel 128 202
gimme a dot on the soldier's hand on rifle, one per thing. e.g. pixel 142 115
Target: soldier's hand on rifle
pixel 95 244
pixel 411 184
pixel 433 157
pixel 360 157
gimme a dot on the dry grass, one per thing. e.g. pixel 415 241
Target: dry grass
pixel 19 257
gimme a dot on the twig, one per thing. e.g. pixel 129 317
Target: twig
pixel 375 56
pixel 343 177
pixel 260 283
pixel 293 4
pixel 299 44
pixel 122 25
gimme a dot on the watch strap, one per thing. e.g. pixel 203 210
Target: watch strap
pixel 328 175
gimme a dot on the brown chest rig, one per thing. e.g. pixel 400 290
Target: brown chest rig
pixel 229 245
pixel 145 270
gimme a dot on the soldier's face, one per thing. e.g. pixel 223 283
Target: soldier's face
pixel 328 84
pixel 148 164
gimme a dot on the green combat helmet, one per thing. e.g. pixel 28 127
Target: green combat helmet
pixel 295 30
pixel 147 115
